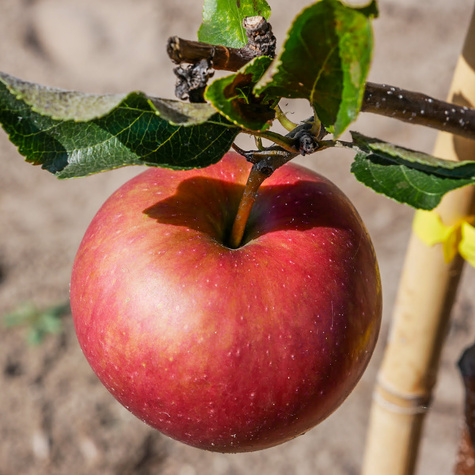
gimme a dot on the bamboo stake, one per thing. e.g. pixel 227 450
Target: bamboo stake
pixel 421 314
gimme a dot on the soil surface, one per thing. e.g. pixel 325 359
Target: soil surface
pixel 55 417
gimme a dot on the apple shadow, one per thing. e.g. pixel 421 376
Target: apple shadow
pixel 210 205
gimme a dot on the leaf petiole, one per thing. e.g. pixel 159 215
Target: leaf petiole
pixel 284 120
pixel 287 143
pixel 259 144
pixel 324 144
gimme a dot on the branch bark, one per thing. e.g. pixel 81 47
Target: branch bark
pixel 420 109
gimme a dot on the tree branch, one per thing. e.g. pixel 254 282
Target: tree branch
pixel 389 101
pixel 420 109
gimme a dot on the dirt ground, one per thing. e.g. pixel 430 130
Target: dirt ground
pixel 55 417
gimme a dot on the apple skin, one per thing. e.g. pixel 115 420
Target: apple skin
pixel 229 350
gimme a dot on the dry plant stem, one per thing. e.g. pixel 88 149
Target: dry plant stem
pixel 254 181
pixel 421 314
pixel 230 59
pixel 260 41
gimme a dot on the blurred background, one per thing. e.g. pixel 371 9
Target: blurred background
pixel 55 417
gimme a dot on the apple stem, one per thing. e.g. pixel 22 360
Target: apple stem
pixel 254 181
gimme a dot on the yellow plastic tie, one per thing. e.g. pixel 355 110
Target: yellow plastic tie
pixel 467 243
pixel 458 238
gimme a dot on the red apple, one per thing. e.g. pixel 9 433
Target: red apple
pixel 229 350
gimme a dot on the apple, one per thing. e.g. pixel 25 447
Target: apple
pixel 228 350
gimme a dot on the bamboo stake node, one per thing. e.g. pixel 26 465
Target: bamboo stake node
pixel 399 402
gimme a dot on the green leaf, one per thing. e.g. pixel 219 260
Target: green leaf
pixel 410 177
pixel 419 160
pixel 325 59
pixel 222 20
pixel 72 134
pixel 232 96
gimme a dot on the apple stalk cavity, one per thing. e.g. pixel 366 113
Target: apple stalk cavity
pixel 228 350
